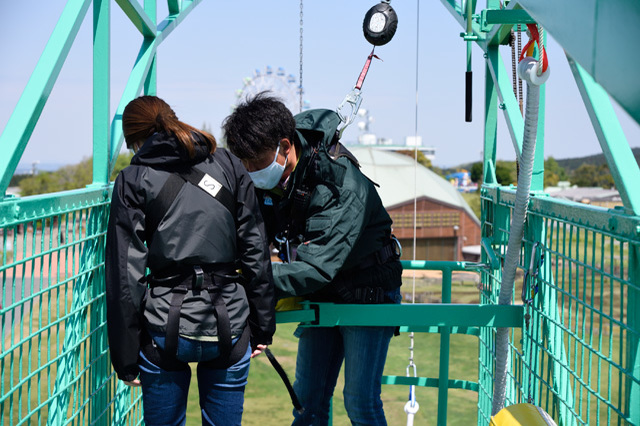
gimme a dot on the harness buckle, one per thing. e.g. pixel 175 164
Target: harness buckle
pixel 284 249
pixel 369 295
pixel 397 247
pixel 199 275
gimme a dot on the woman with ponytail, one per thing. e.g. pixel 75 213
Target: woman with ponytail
pixel 188 273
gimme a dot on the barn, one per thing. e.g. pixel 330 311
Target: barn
pixel 446 228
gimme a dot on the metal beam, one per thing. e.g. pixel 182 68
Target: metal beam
pixel 490 120
pixel 168 25
pixel 615 147
pixel 138 17
pixel 601 36
pixel 457 12
pixel 101 91
pixel 441 315
pixel 140 73
pixel 429 382
pixel 499 34
pixel 508 102
pixel 20 126
pixel 151 82
pixel 174 6
pixel 132 89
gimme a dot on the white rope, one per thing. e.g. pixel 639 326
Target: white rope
pixel 527 69
pixel 412 406
pixel 300 87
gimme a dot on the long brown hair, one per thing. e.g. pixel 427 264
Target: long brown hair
pixel 146 115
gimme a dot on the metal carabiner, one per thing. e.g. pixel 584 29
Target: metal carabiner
pixel 283 241
pixel 532 272
pixel 353 99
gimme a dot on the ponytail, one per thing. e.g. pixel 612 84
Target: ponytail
pixel 147 115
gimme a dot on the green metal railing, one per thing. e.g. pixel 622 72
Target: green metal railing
pixel 54 362
pixel 54 358
pixel 578 356
pixel 442 318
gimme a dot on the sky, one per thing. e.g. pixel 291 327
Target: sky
pixel 204 61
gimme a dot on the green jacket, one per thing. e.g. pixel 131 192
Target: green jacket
pixel 341 223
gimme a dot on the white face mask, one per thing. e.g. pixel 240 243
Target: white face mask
pixel 269 177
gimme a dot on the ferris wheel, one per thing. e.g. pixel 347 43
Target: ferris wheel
pixel 278 83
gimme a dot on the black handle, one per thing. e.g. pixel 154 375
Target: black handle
pixel 285 380
pixel 468 79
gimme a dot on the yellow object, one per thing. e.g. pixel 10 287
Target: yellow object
pixel 289 304
pixel 530 49
pixel 522 414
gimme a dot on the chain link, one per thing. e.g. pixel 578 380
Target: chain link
pixel 300 91
pixel 520 96
pixel 527 321
pixel 514 72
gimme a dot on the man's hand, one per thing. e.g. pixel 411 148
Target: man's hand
pixel 258 350
pixel 134 384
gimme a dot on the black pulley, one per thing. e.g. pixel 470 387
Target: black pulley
pixel 380 24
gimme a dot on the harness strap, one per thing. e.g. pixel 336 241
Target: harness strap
pixel 159 206
pixel 169 362
pixel 194 281
pixel 173 321
pixel 213 187
pixel 237 352
pixel 224 323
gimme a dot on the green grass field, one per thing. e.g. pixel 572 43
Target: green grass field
pixel 267 401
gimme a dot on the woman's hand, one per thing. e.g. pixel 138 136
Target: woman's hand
pixel 135 383
pixel 258 350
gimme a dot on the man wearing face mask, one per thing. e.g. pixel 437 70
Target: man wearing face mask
pixel 334 237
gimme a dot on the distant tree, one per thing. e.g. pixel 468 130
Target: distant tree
pixel 68 177
pixel 17 178
pixel 206 127
pixel 605 180
pixel 422 159
pixel 505 172
pixel 122 161
pixel 476 172
pixel 553 172
pixel 592 175
pixel 585 175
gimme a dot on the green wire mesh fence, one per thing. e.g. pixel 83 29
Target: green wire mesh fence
pixel 54 360
pixel 577 355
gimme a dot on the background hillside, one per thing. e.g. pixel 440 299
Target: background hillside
pixel 571 164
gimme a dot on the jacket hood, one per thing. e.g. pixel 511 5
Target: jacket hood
pixel 163 150
pixel 317 125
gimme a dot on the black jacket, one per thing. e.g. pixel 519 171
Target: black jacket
pixel 196 230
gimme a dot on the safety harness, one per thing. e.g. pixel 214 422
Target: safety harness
pixel 209 278
pixel 347 283
pixel 196 278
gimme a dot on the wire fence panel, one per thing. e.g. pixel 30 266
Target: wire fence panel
pixel 576 355
pixel 54 359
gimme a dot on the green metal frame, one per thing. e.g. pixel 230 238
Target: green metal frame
pixel 599 49
pixel 579 358
pixel 57 282
pixel 443 318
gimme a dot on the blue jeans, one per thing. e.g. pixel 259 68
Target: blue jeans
pixel 321 351
pixel 164 393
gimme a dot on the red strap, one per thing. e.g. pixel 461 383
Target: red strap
pixel 535 37
pixel 365 69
